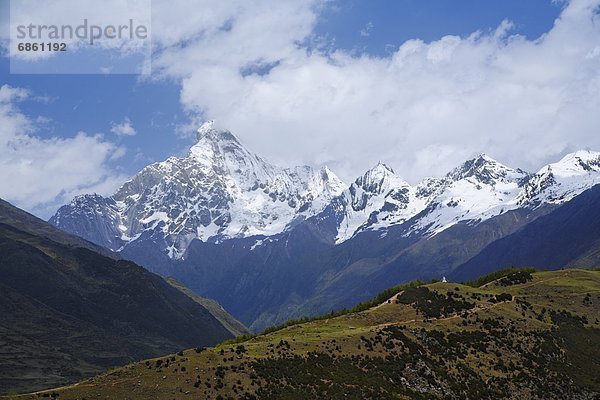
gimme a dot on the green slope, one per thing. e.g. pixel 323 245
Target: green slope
pixel 519 337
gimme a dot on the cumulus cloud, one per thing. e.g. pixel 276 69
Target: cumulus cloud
pixel 423 109
pixel 124 128
pixel 39 174
pixel 258 69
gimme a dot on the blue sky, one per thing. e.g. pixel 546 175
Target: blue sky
pixel 394 21
pixel 91 103
pixel 161 108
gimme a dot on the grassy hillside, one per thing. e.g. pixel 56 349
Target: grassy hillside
pixel 525 335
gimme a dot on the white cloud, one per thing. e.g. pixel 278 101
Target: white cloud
pixel 124 128
pixel 40 174
pixel 423 109
pixel 367 29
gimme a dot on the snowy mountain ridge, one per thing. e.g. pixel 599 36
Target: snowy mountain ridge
pixel 220 190
pixel 560 182
pixel 479 189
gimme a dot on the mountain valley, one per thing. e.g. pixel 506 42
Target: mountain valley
pixel 271 243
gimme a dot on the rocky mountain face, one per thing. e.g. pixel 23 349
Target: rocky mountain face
pixel 270 243
pixel 476 190
pixel 220 190
pixel 562 181
pixel 377 199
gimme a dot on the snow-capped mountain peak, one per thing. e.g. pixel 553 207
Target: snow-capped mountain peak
pixel 381 169
pixel 208 135
pixel 218 152
pixel 577 163
pixel 222 190
pixel 219 190
pixel 379 179
pixel 485 170
pixel 477 189
pixel 207 129
pixel 562 181
pixel 377 198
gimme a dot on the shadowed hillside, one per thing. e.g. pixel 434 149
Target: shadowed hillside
pixel 69 312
